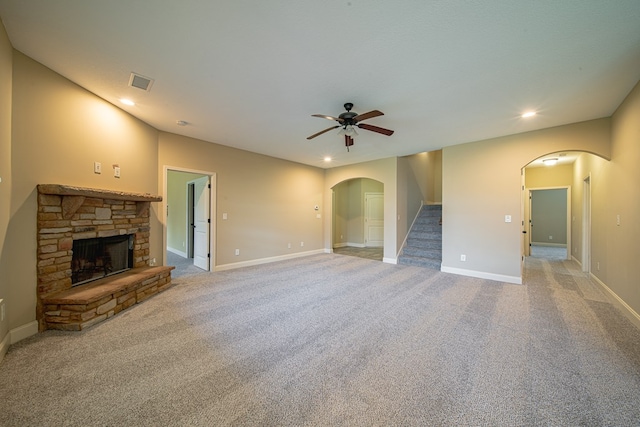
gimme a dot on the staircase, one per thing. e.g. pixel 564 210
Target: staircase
pixel 424 243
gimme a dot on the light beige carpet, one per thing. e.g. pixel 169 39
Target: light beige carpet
pixel 337 340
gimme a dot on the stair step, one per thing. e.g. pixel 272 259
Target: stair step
pixel 420 262
pixel 434 253
pixel 424 243
pixel 424 235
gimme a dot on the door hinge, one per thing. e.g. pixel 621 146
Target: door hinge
pixel 209 220
pixel 209 186
pixel 208 255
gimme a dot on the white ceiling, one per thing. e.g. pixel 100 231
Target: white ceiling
pixel 249 73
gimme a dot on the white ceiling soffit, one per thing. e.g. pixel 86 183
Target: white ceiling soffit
pixel 249 74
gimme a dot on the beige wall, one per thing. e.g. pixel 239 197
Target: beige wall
pixel 59 130
pixel 6 64
pixel 551 176
pixel 434 161
pixel 595 168
pixel 481 183
pixel 616 246
pixel 384 171
pixel 269 202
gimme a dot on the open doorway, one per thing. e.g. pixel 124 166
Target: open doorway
pixel 550 223
pixel 189 213
pixel 358 218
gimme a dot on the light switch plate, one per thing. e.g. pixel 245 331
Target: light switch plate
pixel 507 218
pixel 97 167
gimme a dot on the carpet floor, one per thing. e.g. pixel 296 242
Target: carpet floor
pixel 338 340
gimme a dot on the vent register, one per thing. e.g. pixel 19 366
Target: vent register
pixel 140 82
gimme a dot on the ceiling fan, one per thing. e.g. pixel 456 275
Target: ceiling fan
pixel 348 121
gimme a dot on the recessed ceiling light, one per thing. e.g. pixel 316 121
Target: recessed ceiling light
pixel 127 101
pixel 550 162
pixel 528 114
pixel 182 123
pixel 327 159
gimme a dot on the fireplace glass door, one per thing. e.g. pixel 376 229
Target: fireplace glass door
pixel 100 257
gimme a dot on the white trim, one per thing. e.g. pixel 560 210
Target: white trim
pixel 24 331
pixel 390 260
pixel 356 245
pixel 177 252
pixel 17 334
pixel 212 210
pixel 4 345
pixel 340 245
pixel 482 275
pixel 552 245
pixel 267 260
pixel 629 312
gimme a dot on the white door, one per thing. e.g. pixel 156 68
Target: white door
pixel 374 219
pixel 201 221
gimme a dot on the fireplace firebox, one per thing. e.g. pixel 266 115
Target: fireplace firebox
pixel 100 257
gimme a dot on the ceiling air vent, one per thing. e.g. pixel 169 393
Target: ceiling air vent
pixel 141 82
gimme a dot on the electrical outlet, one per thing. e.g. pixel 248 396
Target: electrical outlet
pixel 116 171
pixel 598 266
pixel 463 257
pixel 1 310
pixel 97 167
pixel 301 244
pixel 550 237
pixel 237 251
pixel 289 245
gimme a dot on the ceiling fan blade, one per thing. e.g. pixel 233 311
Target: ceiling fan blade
pixel 383 131
pixel 323 131
pixel 322 116
pixel 370 114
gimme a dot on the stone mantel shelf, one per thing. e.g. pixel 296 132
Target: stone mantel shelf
pixel 68 190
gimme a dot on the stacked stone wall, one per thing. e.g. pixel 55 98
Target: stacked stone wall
pixel 82 214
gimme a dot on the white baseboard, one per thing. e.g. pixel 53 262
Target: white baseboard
pixel 17 334
pixel 177 252
pixel 4 345
pixel 629 312
pixel 356 245
pixel 267 260
pixel 390 260
pixel 482 275
pixel 24 331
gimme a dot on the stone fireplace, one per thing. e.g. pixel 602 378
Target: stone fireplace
pixel 93 255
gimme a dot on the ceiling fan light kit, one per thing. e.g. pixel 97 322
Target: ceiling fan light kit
pixel 348 121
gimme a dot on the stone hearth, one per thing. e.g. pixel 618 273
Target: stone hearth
pixel 67 213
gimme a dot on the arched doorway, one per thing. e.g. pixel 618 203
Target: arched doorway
pixel 556 206
pixel 358 218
